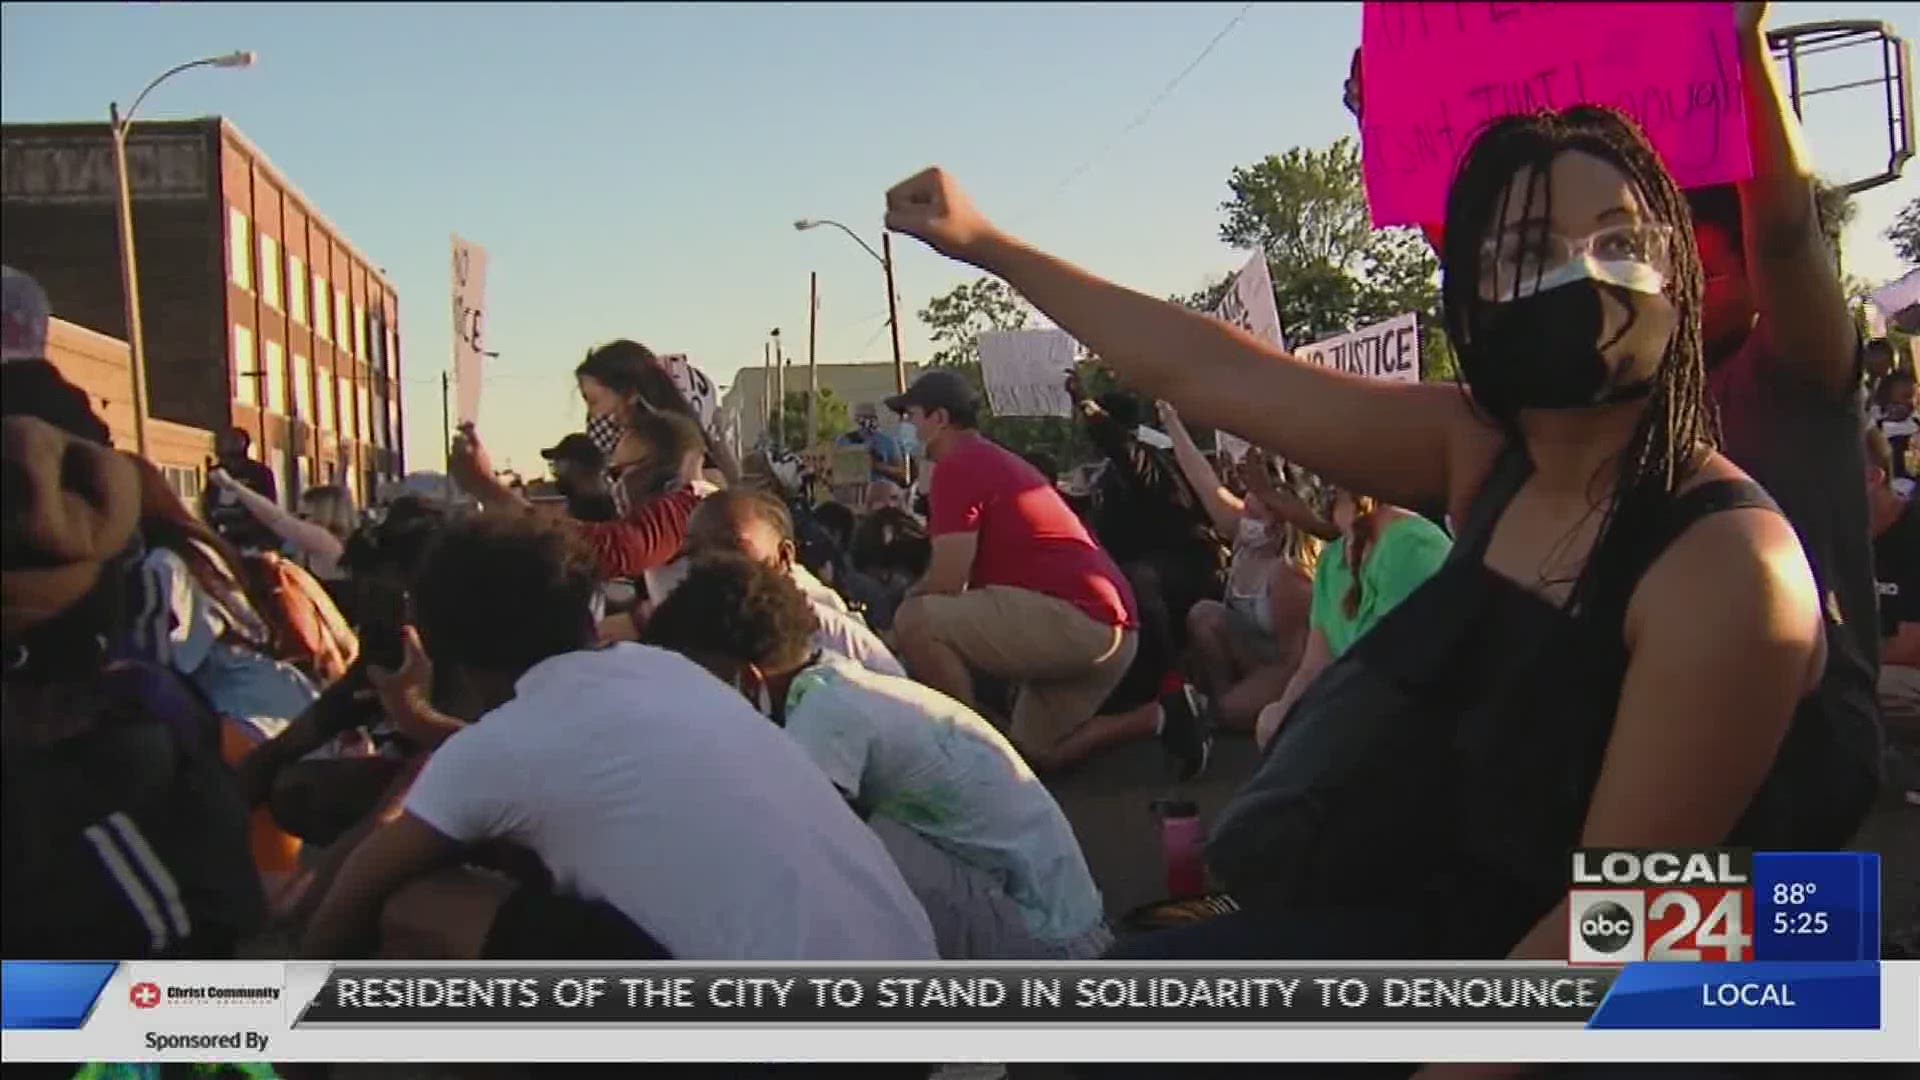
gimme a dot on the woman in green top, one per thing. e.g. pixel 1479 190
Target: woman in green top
pixel 1382 555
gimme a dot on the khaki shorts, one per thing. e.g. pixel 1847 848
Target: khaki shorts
pixel 1065 661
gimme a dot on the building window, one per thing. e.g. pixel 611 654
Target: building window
pixel 344 396
pixel 239 249
pixel 342 329
pixel 392 369
pixel 379 421
pixel 276 378
pixel 297 289
pixel 325 387
pixel 366 423
pixel 359 331
pixel 279 467
pixel 245 367
pixel 184 482
pixel 302 388
pixel 270 271
pixel 321 324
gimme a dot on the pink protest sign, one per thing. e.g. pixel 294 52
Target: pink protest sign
pixel 1436 73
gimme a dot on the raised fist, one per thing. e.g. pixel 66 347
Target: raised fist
pixel 931 206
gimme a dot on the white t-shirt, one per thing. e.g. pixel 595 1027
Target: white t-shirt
pixel 844 633
pixel 641 780
pixel 917 757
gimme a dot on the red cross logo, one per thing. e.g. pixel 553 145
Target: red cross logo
pixel 144 995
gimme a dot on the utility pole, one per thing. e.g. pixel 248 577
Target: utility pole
pixel 813 372
pixel 893 313
pixel 446 422
pixel 767 413
pixel 780 404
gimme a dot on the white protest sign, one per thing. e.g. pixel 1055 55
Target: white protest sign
pixel 1387 350
pixel 693 385
pixel 1026 371
pixel 1249 306
pixel 469 321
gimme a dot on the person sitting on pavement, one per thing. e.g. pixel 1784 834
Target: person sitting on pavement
pixel 976 834
pixel 630 774
pixel 1017 588
pixel 743 522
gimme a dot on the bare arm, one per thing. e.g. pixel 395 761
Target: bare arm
pixel 1803 307
pixel 951 565
pixel 1313 661
pixel 1283 503
pixel 1403 442
pixel 393 854
pixel 309 538
pixel 1223 507
pixel 1725 639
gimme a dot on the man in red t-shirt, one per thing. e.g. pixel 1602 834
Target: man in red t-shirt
pixel 1016 588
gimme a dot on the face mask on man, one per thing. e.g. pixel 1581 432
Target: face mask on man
pixel 1539 346
pixel 907 437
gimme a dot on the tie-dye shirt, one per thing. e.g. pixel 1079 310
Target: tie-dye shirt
pixel 911 754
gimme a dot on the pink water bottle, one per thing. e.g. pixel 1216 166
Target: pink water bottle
pixel 1181 842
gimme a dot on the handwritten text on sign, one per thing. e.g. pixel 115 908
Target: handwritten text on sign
pixel 469 322
pixel 1249 305
pixel 1026 371
pixel 1435 74
pixel 1388 350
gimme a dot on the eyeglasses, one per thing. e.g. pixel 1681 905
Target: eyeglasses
pixel 1517 262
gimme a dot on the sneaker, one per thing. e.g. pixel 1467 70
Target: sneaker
pixel 1186 732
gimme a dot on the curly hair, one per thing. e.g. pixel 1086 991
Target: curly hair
pixel 502 592
pixel 731 607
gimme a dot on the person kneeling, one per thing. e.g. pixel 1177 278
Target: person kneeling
pixel 978 837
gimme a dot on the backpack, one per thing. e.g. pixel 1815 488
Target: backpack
pixel 128 839
pixel 306 626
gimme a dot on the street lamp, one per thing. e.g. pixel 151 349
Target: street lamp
pixel 886 265
pixel 120 125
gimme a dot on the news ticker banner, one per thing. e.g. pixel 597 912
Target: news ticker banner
pixel 255 1011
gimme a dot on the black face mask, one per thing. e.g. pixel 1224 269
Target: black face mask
pixel 1544 352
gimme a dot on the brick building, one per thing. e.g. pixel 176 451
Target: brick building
pixel 257 311
pixel 102 367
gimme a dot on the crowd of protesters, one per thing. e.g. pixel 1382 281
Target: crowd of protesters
pixel 1671 598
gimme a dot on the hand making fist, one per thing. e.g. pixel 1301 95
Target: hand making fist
pixel 931 206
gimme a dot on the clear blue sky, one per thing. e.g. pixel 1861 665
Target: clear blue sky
pixel 633 171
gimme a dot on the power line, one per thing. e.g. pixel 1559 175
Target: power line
pixel 1140 120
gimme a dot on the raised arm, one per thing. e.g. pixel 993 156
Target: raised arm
pixel 1404 443
pixel 1796 287
pixel 1224 508
pixel 309 538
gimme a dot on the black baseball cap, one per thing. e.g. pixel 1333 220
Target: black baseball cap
pixel 937 389
pixel 575 448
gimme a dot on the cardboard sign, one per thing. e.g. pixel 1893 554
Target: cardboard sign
pixel 469 320
pixel 1249 305
pixel 1387 350
pixel 1026 371
pixel 852 465
pixel 1435 74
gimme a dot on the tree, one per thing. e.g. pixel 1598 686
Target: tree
pixel 835 418
pixel 1332 271
pixel 956 319
pixel 1905 232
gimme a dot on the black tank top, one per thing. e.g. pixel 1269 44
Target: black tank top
pixel 1444 765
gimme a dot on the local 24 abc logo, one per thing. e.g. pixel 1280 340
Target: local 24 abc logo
pixel 1688 906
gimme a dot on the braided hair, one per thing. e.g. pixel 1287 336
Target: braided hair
pixel 1664 448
